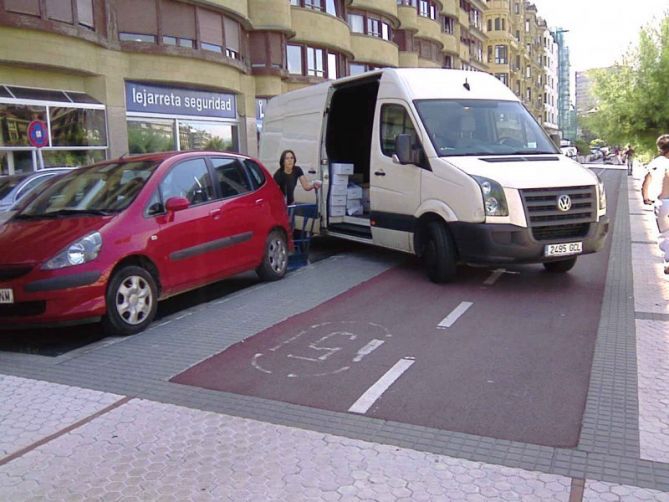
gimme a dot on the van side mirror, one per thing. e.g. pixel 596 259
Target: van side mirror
pixel 403 148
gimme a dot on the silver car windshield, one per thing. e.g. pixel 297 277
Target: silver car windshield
pixel 482 127
pixel 98 189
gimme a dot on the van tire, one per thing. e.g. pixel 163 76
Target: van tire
pixel 560 267
pixel 275 259
pixel 439 253
pixel 122 319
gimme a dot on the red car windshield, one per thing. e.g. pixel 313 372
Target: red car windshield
pixel 99 189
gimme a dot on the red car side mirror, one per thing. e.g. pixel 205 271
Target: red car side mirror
pixel 176 204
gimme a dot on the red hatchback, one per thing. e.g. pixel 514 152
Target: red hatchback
pixel 109 240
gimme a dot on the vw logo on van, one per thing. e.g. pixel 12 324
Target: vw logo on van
pixel 564 202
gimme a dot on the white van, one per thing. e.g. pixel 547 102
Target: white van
pixel 444 164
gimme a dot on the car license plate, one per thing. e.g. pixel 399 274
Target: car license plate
pixel 6 295
pixel 564 249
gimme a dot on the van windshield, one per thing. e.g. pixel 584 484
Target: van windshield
pixel 460 127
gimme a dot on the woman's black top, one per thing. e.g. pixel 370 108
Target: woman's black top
pixel 287 182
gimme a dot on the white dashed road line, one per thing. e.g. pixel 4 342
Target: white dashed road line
pixel 450 319
pixel 366 401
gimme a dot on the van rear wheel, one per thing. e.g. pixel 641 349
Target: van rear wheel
pixel 439 254
pixel 559 267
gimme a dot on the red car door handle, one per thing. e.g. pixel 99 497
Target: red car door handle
pixel 215 213
pixel 260 202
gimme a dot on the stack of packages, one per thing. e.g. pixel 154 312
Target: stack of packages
pixel 339 188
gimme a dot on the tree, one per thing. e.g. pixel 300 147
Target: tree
pixel 632 97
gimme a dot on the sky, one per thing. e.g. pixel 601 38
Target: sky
pixel 600 31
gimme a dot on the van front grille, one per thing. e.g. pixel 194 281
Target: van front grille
pixel 550 220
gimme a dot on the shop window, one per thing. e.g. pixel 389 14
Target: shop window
pixel 14 120
pixel 201 135
pixel 31 7
pixel 146 136
pixel 137 20
pixel 77 127
pixel 72 158
pixel 178 24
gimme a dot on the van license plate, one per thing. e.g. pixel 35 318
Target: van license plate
pixel 6 295
pixel 564 249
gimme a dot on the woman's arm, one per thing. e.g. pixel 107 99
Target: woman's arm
pixel 307 185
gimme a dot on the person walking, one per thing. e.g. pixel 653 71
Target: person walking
pixel 628 154
pixel 289 173
pixel 655 190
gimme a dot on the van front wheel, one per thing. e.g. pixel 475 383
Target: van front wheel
pixel 439 254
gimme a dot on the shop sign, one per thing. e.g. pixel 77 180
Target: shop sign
pixel 179 101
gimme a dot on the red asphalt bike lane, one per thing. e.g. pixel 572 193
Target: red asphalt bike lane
pixel 514 365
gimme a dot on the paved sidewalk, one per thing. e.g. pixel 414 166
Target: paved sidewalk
pixel 104 423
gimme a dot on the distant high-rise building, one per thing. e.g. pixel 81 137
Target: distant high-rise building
pixel 585 100
pixel 566 119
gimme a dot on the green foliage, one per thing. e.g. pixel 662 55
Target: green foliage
pixel 632 97
pixel 147 139
pixel 582 146
pixel 217 144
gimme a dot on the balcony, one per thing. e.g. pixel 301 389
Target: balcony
pixel 264 14
pixel 464 52
pixel 408 17
pixel 387 7
pixel 450 44
pixel 450 8
pixel 463 18
pixel 374 50
pixel 428 28
pixel 317 28
pixel 238 6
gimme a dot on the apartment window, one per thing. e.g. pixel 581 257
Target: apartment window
pixel 232 38
pixel 411 3
pixel 517 62
pixel 529 94
pixel 448 62
pixel 294 59
pixel 501 52
pixel 211 30
pixel 503 77
pixel 357 23
pixel 489 24
pixel 527 26
pixel 516 8
pixel 370 25
pixel 313 61
pixel 528 71
pixel 517 87
pixel 332 7
pixel 59 10
pixel 137 20
pixel 490 54
pixel 178 24
pixel 85 13
pixel 31 7
pixel 449 25
pixel 266 49
pixel 500 24
pixel 426 8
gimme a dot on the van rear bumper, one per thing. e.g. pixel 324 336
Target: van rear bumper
pixel 490 243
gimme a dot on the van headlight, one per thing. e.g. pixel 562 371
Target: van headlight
pixel 601 194
pixel 80 251
pixel 494 200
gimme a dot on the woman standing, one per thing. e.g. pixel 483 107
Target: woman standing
pixel 288 174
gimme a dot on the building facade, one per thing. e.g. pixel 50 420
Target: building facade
pixel 108 77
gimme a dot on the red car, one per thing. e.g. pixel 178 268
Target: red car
pixel 109 240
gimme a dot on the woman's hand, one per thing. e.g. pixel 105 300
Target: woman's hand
pixel 317 184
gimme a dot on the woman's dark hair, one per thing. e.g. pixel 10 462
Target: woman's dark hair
pixel 283 157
